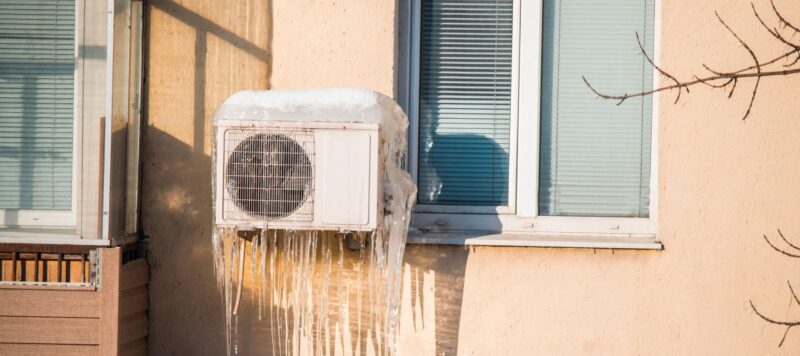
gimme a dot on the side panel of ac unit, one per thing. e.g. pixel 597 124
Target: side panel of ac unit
pixel 347 184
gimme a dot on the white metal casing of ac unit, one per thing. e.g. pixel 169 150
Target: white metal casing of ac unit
pixel 344 194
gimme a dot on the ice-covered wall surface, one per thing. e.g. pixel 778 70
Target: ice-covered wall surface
pixel 283 264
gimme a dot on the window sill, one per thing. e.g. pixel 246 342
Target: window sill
pixel 46 236
pixel 593 241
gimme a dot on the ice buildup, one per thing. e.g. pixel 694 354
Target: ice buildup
pixel 305 282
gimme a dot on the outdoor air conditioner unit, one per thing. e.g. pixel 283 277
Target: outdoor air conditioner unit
pixel 301 175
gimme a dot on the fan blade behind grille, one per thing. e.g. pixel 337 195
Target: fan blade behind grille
pixel 269 175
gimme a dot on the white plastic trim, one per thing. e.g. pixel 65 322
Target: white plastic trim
pixel 538 240
pixel 51 238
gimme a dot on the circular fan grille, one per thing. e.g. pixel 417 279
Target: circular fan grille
pixel 269 175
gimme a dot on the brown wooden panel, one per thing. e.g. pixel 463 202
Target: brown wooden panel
pixel 42 349
pixel 37 330
pixel 136 347
pixel 49 303
pixel 5 270
pixel 133 274
pixel 132 328
pixel 111 260
pixel 133 301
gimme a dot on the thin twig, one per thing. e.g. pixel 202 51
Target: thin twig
pixel 789 324
pixel 756 71
pixel 716 86
pixel 732 75
pixel 773 31
pixel 783 20
pixel 797 300
pixel 778 249
pixel 664 73
pixel 797 58
pixel 733 87
pixel 771 61
pixel 769 320
pixel 755 59
pixel 715 72
pixel 787 241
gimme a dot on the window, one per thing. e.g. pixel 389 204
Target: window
pixel 69 83
pixel 37 105
pixel 505 135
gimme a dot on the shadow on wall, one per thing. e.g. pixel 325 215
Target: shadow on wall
pixel 184 81
pixel 430 308
pixel 186 309
pixel 433 290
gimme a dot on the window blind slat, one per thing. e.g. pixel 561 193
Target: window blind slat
pixel 465 102
pixel 595 155
pixel 37 63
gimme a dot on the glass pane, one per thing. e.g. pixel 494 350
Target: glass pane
pixel 465 102
pixel 595 155
pixel 37 63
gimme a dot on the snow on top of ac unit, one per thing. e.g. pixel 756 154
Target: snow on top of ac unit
pixel 306 99
pixel 327 105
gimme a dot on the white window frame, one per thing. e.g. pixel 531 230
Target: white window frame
pixel 33 218
pixel 106 129
pixel 521 213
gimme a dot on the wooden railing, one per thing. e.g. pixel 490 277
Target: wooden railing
pixel 105 315
pixel 36 263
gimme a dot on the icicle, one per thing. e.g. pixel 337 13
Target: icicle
pixel 272 292
pixel 262 240
pixel 294 271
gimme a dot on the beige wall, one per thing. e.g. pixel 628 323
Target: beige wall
pixel 199 53
pixel 723 183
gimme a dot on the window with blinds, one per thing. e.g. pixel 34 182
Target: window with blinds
pixel 465 102
pixel 37 60
pixel 595 155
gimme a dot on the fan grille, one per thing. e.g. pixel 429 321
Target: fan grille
pixel 269 176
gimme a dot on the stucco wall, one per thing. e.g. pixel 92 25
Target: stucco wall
pixel 199 53
pixel 723 183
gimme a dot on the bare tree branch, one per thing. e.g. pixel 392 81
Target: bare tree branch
pixel 733 87
pixel 778 249
pixel 788 324
pixel 771 61
pixel 787 241
pixel 716 86
pixel 755 59
pixel 723 79
pixel 773 31
pixel 794 295
pixel 732 75
pixel 650 60
pixel 783 20
pixel 713 71
pixel 796 59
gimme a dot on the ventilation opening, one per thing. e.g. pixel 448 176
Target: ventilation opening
pixel 270 175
